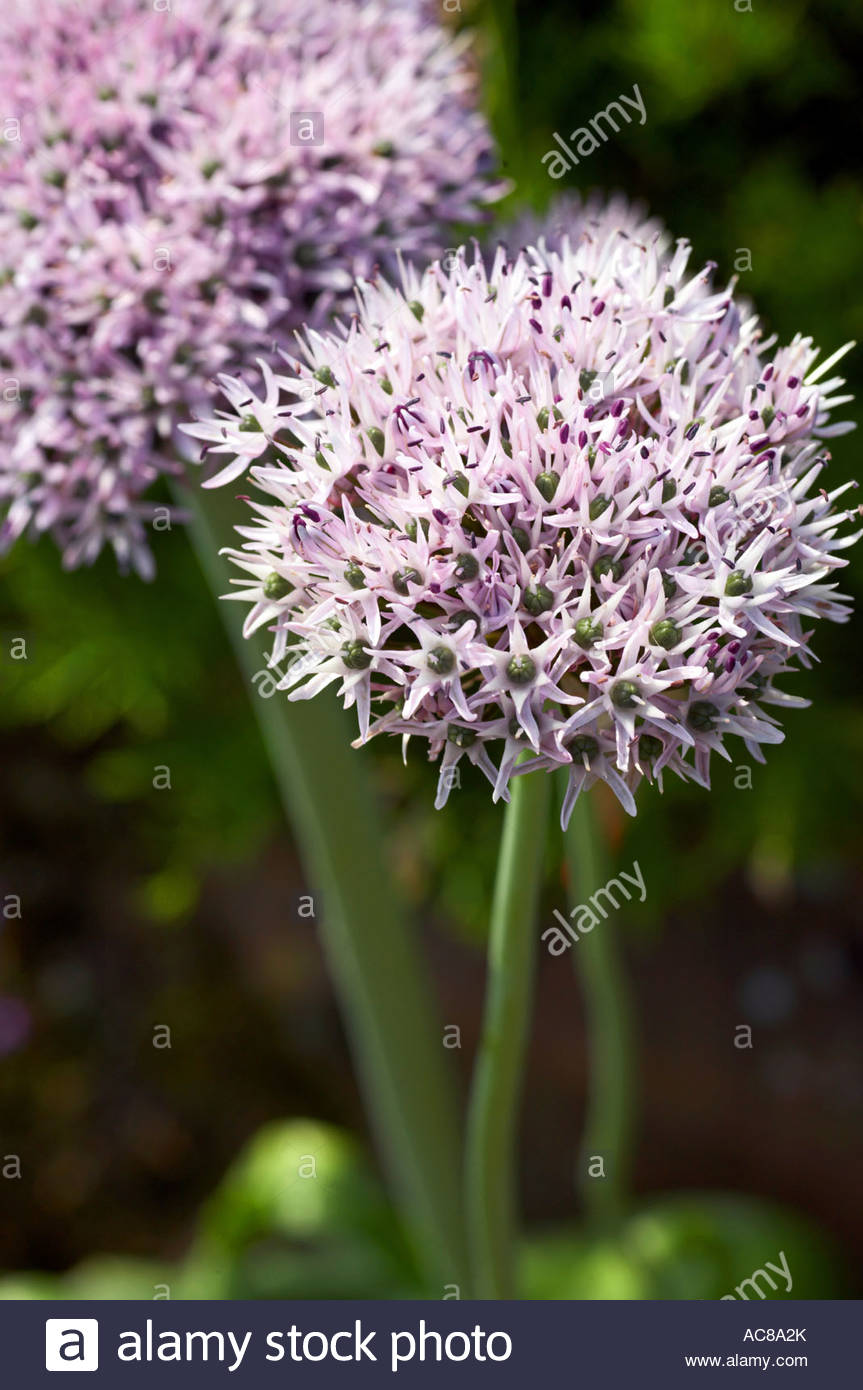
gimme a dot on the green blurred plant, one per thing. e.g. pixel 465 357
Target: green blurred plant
pixel 300 1215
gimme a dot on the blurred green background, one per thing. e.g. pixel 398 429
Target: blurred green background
pixel 146 905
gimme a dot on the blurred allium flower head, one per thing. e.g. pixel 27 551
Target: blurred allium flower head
pixel 570 504
pixel 181 182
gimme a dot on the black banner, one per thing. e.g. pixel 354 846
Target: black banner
pixel 410 1344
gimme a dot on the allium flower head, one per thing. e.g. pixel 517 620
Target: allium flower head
pixel 569 504
pixel 181 183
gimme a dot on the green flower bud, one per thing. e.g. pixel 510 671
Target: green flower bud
pixel 417 310
pixel 669 489
pixel 625 695
pixel 716 496
pixel 583 746
pixel 462 738
pixel 669 586
pixel 538 600
pixel 386 385
pixel 459 619
pixel 738 584
pixel 521 538
pixel 521 669
pixel 768 415
pixel 325 376
pixel 402 578
pixel 586 378
pixel 547 484
pixel 411 530
pixel 305 254
pixel 466 567
pixel 376 436
pixel 461 483
pixel 665 633
pixel 441 660
pixel 587 631
pixel 275 587
pixel 250 425
pixel 152 300
pixel 354 656
pixel 598 506
pixel 649 748
pixel 693 555
pixel 542 420
pixel 355 576
pixel 606 565
pixel 702 715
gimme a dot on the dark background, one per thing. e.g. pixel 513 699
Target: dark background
pixel 181 906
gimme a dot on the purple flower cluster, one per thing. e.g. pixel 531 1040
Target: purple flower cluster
pixel 181 182
pixel 566 504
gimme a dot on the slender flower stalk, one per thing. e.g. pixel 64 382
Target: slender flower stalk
pixel 609 1028
pixel 491 1148
pixel 373 956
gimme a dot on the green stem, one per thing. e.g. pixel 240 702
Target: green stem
pixel 490 1168
pixel 500 76
pixel 609 1122
pixel 380 979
